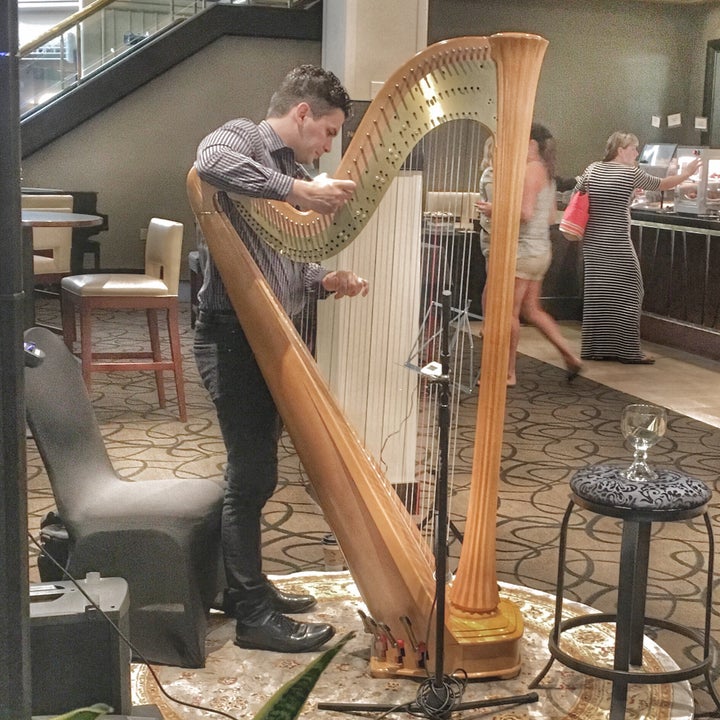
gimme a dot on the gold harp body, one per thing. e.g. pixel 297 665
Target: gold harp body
pixel 390 561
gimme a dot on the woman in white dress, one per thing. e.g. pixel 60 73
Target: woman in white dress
pixel 534 252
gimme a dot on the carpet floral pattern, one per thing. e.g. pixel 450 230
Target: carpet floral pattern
pixel 240 682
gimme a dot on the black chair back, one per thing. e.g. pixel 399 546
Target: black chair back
pixel 64 427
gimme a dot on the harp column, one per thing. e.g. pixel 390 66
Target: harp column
pixel 364 375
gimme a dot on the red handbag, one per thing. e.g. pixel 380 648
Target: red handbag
pixel 575 217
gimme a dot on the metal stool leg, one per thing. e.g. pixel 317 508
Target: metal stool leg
pixel 559 591
pixel 708 615
pixel 630 621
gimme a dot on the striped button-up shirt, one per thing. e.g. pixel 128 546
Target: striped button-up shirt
pixel 248 159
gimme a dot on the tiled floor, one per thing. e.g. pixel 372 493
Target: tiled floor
pixel 679 381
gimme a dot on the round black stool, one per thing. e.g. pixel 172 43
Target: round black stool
pixel 673 496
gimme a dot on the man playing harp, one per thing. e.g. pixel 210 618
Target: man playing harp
pixel 265 160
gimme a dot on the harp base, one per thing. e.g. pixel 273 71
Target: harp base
pixel 484 645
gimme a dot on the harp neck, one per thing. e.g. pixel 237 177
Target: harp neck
pixel 450 80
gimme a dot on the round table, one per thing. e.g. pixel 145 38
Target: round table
pixel 45 218
pixel 50 218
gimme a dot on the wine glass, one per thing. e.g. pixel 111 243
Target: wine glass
pixel 642 426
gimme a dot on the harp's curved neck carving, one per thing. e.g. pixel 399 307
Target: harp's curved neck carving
pixel 451 80
pixel 384 549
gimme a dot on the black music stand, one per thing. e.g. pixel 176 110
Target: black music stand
pixel 440 694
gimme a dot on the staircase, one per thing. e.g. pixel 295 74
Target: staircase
pixel 148 57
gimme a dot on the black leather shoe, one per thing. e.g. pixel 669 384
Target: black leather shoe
pixel 274 599
pixel 289 603
pixel 278 633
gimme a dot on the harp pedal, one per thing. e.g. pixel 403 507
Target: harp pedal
pixel 383 669
pixel 386 653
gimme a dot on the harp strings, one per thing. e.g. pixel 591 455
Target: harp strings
pixel 364 344
pixel 371 350
pixel 451 169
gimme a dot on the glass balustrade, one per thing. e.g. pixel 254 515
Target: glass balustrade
pixel 65 56
pixel 99 34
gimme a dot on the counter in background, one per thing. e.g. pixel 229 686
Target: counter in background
pixel 458 264
pixel 562 288
pixel 680 263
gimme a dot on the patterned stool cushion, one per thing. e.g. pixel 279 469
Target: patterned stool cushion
pixel 672 490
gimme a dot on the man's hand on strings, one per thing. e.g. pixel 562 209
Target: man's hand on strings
pixel 323 194
pixel 345 283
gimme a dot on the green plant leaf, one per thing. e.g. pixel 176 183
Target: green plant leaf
pixel 288 701
pixel 87 713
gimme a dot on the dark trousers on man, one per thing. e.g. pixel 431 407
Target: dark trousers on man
pixel 251 428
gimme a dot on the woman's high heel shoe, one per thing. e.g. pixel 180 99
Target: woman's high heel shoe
pixel 573 370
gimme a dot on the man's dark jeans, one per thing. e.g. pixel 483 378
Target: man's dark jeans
pixel 251 428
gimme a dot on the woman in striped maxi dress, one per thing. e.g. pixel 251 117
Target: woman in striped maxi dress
pixel 613 286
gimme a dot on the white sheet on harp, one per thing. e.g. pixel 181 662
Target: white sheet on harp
pixel 364 343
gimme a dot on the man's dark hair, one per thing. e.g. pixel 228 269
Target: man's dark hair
pixel 319 88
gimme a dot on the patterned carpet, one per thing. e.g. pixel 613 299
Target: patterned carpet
pixel 239 682
pixel 552 429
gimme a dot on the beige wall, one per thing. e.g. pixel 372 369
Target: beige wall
pixel 136 154
pixel 711 31
pixel 355 39
pixel 610 65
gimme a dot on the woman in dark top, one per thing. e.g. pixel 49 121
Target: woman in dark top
pixel 613 287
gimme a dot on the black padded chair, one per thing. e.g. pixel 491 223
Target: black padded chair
pixel 162 536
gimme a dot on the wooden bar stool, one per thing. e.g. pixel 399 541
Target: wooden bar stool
pixel 672 496
pixel 156 289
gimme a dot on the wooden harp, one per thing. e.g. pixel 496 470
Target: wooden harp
pixel 389 560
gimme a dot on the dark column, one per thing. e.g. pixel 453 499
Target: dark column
pixel 15 702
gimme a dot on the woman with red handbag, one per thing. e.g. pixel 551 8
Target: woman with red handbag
pixel 613 287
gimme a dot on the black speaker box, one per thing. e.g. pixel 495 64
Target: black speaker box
pixel 77 657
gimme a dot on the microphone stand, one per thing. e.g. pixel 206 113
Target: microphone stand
pixel 441 695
